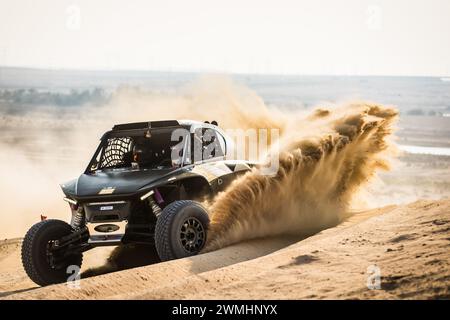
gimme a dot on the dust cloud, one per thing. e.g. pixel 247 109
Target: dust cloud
pixel 325 159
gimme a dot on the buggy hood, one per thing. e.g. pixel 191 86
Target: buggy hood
pixel 114 182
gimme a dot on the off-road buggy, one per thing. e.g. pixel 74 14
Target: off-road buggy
pixel 144 184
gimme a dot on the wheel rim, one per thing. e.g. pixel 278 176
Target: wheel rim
pixel 51 258
pixel 56 260
pixel 192 235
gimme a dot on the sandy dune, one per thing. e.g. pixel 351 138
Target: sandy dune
pixel 410 244
pixel 13 279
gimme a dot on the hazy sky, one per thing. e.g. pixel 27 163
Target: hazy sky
pixel 380 37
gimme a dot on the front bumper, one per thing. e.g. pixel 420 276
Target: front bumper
pixel 106 222
pixel 106 234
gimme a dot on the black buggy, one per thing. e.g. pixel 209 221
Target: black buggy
pixel 144 184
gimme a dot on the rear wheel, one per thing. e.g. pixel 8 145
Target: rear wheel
pixel 181 230
pixel 42 265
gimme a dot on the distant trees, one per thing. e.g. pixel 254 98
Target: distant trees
pixel 415 112
pixel 34 97
pixel 420 112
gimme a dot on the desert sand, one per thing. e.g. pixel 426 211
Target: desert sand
pixel 408 243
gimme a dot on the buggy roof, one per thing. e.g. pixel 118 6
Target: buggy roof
pixel 160 124
pixel 146 125
pixel 134 128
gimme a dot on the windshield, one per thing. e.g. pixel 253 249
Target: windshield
pixel 143 151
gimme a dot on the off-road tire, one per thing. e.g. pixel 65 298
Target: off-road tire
pixel 172 219
pixel 34 252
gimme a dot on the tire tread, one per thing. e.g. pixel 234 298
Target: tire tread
pixel 163 225
pixel 27 253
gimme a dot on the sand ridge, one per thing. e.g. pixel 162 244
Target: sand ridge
pixel 331 264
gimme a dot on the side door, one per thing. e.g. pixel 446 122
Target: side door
pixel 209 150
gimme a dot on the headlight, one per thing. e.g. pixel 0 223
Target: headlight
pixel 70 201
pixel 148 194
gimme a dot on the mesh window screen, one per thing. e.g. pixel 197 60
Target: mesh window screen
pixel 115 150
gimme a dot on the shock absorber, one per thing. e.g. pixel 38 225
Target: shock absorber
pixel 155 208
pixel 78 218
pixel 155 204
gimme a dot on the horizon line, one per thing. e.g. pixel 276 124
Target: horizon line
pixel 188 71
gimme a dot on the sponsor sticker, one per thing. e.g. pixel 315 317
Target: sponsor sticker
pixel 108 190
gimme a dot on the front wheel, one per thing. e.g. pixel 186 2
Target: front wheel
pixel 181 230
pixel 42 265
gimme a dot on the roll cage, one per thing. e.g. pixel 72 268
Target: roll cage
pixel 196 142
